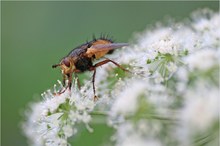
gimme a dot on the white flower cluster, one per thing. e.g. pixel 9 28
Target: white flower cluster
pixel 170 98
pixel 55 119
pixel 178 103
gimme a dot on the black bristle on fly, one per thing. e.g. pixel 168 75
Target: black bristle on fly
pixel 93 37
pixel 103 36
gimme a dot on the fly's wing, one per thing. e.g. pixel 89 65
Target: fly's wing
pixel 100 50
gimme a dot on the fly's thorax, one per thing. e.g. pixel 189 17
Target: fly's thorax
pixel 83 63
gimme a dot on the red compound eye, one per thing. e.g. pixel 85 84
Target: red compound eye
pixel 66 62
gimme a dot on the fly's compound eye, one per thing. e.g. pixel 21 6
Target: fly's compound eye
pixel 66 62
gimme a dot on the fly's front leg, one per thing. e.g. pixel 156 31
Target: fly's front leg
pixel 64 80
pixel 64 83
pixel 78 81
pixel 63 89
pixel 69 81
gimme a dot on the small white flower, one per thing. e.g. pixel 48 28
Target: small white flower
pixel 127 102
pixel 182 74
pixel 68 130
pixel 53 103
pixel 158 78
pixel 202 60
pixel 201 108
pixel 165 46
pixel 137 140
pixel 171 67
pixel 128 135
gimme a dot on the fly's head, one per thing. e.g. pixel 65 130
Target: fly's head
pixel 67 65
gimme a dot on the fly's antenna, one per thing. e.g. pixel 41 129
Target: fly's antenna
pixel 56 65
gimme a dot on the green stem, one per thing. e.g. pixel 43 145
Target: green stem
pixel 99 113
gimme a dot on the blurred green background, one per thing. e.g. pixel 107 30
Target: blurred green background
pixel 36 35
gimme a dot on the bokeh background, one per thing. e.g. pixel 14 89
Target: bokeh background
pixel 37 34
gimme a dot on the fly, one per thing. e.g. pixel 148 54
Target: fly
pixel 81 59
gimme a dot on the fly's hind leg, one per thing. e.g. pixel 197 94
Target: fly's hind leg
pixel 107 61
pixel 93 68
pixel 93 84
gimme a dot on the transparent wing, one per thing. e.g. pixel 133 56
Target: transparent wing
pixel 107 47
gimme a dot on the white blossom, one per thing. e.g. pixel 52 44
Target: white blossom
pixel 201 108
pixel 54 119
pixel 127 102
pixel 202 60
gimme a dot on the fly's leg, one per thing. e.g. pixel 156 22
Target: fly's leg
pixel 93 84
pixel 93 68
pixel 78 81
pixel 100 64
pixel 69 81
pixel 64 83
pixel 64 80
pixel 62 90
pixel 69 78
pixel 107 61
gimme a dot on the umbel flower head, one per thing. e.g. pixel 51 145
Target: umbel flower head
pixel 54 119
pixel 171 97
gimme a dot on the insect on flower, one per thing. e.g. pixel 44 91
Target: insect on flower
pixel 81 59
